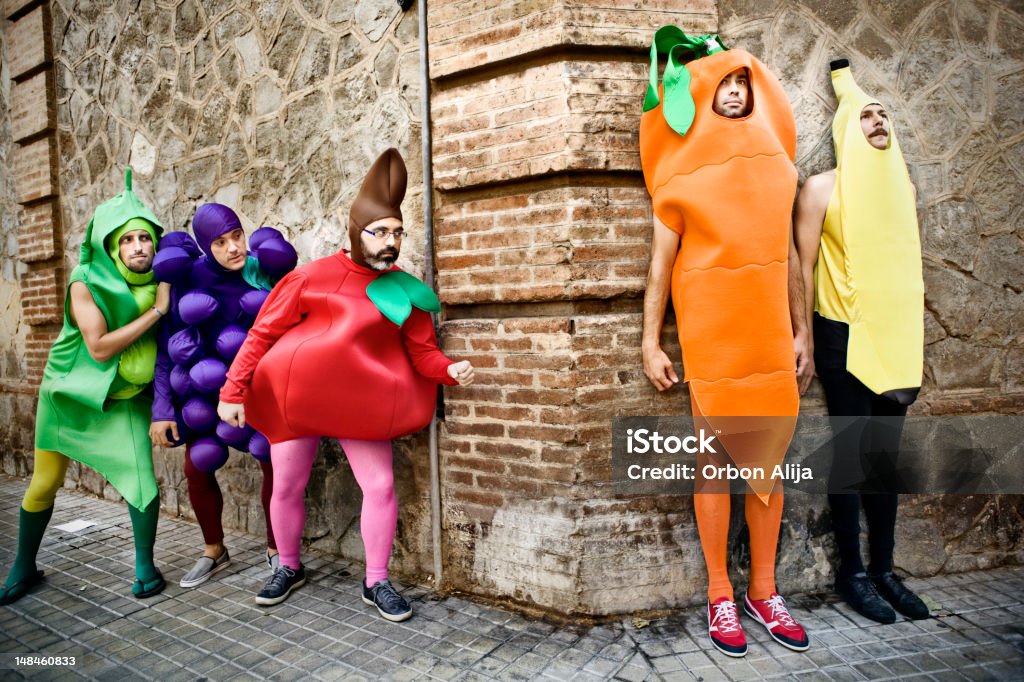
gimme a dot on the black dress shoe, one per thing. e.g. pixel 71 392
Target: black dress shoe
pixel 858 590
pixel 900 596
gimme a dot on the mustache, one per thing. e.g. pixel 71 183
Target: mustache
pixel 387 252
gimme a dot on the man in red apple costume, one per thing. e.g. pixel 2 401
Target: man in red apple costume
pixel 343 347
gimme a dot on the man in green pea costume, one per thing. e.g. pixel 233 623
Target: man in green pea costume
pixel 94 406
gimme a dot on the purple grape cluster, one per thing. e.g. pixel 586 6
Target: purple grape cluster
pixel 212 311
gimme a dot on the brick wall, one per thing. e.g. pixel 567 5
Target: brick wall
pixel 34 166
pixel 17 394
pixel 275 109
pixel 40 296
pixel 542 230
pixel 542 225
pixel 33 122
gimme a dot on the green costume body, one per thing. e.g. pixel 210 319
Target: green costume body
pixel 76 415
pixel 96 412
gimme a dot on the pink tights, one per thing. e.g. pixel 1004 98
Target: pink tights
pixel 371 464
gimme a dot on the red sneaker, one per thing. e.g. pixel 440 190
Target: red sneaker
pixel 724 628
pixel 774 616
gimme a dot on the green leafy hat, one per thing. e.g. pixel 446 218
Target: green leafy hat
pixel 112 215
pixel 679 48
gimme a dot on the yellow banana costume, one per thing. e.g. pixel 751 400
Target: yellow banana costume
pixel 869 264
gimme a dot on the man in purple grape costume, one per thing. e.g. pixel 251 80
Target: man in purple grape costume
pixel 214 300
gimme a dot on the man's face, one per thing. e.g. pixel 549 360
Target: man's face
pixel 381 248
pixel 874 121
pixel 229 249
pixel 732 98
pixel 136 250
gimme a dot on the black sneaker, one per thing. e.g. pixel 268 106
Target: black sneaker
pixel 389 603
pixel 280 584
pixel 859 591
pixel 900 596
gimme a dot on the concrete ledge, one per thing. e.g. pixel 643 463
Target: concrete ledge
pixel 37 230
pixel 32 109
pixel 468 35
pixel 29 46
pixel 35 174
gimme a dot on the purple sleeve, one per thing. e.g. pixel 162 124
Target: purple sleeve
pixel 163 408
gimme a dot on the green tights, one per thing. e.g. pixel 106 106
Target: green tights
pixel 35 513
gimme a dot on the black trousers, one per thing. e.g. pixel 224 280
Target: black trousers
pixel 865 454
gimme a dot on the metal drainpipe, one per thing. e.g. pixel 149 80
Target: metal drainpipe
pixel 428 248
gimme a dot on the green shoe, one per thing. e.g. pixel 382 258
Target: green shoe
pixel 148 589
pixel 12 593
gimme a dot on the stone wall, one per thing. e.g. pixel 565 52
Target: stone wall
pixel 274 108
pixel 950 74
pixel 542 226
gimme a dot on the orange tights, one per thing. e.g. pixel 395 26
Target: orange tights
pixel 763 520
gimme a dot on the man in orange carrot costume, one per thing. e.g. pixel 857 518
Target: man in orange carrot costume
pixel 717 144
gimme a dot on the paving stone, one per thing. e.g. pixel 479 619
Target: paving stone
pixel 204 664
pixel 324 633
pixel 713 675
pixel 489 665
pixel 843 674
pixel 743 670
pixel 766 666
pixel 675 676
pixel 949 676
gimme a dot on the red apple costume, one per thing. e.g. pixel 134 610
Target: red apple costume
pixel 345 351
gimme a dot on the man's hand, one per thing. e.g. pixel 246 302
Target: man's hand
pixel 664 247
pixel 804 362
pixel 232 413
pixel 659 369
pixel 462 372
pixel 158 433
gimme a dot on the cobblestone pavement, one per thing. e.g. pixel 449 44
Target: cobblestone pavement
pixel 324 632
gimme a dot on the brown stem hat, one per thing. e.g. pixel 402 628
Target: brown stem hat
pixel 380 197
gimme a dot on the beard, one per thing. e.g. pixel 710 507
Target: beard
pixel 139 267
pixel 381 260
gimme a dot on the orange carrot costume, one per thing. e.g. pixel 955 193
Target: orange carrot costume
pixel 727 187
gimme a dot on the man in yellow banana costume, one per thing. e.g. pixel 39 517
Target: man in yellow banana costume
pixel 860 252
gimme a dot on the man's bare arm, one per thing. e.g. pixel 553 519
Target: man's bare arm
pixel 811 204
pixel 657 365
pixel 803 346
pixel 102 343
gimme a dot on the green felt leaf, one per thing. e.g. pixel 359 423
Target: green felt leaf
pixel 390 299
pixel 396 292
pixel 679 48
pixel 255 277
pixel 420 295
pixel 679 108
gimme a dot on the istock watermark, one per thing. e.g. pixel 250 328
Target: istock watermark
pixel 974 454
pixel 642 441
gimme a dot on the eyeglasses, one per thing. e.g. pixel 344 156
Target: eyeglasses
pixel 381 233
